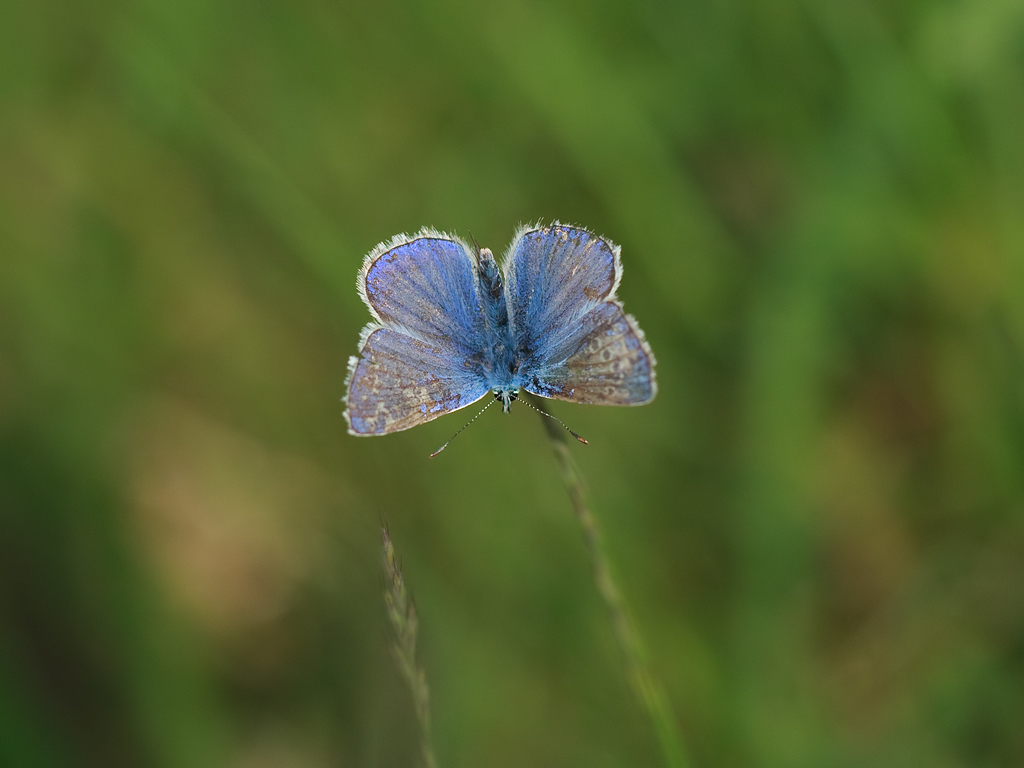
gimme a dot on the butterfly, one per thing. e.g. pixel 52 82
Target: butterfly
pixel 450 326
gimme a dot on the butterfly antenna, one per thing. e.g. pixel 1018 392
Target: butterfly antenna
pixel 463 427
pixel 545 413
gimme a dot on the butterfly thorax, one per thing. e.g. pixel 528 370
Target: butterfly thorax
pixel 501 361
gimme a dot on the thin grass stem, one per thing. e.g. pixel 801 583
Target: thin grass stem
pixel 646 688
pixel 402 613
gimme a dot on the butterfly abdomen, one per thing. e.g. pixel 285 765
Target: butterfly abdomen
pixel 501 365
pixel 493 299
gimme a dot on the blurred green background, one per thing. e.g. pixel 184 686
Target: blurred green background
pixel 819 523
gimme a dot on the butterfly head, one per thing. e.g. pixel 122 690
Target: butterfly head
pixel 506 395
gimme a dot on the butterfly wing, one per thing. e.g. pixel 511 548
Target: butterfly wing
pixel 401 382
pixel 421 355
pixel 576 342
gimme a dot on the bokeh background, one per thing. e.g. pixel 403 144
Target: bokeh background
pixel 819 523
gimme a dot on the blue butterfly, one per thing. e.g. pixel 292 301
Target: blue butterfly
pixel 449 326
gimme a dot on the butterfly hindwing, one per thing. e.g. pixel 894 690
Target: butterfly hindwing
pixel 612 364
pixel 401 382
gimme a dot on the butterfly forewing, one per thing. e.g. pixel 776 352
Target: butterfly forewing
pixel 426 286
pixel 555 275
